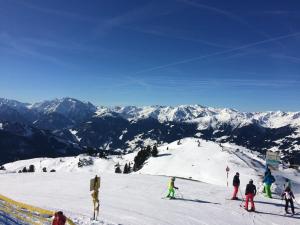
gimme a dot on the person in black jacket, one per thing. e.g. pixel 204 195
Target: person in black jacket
pixel 236 185
pixel 250 193
pixel 288 196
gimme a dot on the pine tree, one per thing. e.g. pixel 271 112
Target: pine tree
pixel 24 170
pixel 129 167
pixel 154 151
pixel 44 169
pixel 118 170
pixel 125 171
pixel 141 157
pixel 31 169
pixel 148 149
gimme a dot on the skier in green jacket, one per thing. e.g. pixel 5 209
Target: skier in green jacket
pixel 171 187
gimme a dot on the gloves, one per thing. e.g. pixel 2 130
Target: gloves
pixel 176 188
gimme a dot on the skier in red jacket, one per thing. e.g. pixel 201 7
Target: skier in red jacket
pixel 59 219
pixel 250 193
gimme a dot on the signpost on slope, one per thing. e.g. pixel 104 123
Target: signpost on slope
pixel 227 171
pixel 272 159
pixel 94 187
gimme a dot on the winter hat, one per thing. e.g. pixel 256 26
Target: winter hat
pixel 251 181
pixel 173 178
pixel 237 173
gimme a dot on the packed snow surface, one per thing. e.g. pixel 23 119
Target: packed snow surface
pixel 137 198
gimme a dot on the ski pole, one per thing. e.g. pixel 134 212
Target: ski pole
pixel 282 208
pixel 180 193
pixel 241 196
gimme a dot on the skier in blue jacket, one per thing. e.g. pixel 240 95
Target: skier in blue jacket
pixel 268 181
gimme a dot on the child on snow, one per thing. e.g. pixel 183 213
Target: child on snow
pixel 288 196
pixel 59 219
pixel 171 187
pixel 236 184
pixel 250 193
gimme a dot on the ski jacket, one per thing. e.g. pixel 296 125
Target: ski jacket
pixel 171 185
pixel 236 181
pixel 269 179
pixel 59 219
pixel 287 195
pixel 250 189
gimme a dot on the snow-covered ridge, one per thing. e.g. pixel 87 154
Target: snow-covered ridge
pixel 63 106
pixel 204 116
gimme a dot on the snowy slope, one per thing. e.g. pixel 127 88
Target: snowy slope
pixel 206 163
pixel 135 199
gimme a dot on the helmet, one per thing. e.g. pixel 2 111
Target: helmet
pixel 251 181
pixel 173 178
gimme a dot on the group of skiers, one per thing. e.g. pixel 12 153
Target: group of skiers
pixel 250 191
pixel 268 180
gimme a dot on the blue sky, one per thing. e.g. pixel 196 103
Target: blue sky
pixel 236 54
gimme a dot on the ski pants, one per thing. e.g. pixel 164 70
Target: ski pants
pixel 235 191
pixel 249 197
pixel 268 190
pixel 171 193
pixel 287 201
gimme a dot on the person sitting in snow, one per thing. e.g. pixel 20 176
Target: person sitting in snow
pixel 236 185
pixel 288 196
pixel 171 187
pixel 59 218
pixel 250 193
pixel 268 181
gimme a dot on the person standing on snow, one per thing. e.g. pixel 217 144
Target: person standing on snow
pixel 171 187
pixel 266 173
pixel 288 196
pixel 59 218
pixel 236 185
pixel 250 193
pixel 268 181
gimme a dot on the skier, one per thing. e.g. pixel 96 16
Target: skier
pixel 250 193
pixel 266 172
pixel 171 187
pixel 268 181
pixel 59 218
pixel 288 196
pixel 236 185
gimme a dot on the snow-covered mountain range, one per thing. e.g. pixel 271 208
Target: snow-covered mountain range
pixel 78 124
